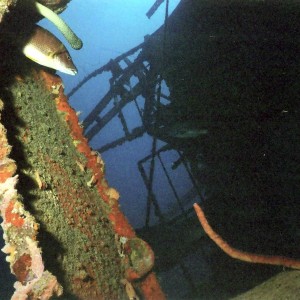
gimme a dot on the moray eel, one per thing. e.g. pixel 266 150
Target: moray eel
pixel 47 50
pixel 70 36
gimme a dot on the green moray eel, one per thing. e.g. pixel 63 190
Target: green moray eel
pixel 71 37
pixel 47 50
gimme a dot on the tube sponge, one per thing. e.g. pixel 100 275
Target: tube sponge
pixel 71 37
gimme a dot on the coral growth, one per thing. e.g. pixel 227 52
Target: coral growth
pixel 20 230
pixel 137 258
pixel 140 258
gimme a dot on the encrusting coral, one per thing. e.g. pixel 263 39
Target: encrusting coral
pixel 20 230
pixel 136 255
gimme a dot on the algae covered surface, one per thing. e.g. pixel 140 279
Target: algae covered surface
pixel 76 237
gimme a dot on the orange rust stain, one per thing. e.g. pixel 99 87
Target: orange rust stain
pixel 120 223
pixel 14 218
pixel 50 79
pixel 151 288
pixel 131 274
pixel 21 267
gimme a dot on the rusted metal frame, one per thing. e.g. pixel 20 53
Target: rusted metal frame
pixel 178 200
pixel 106 67
pixel 153 154
pixel 146 180
pixel 154 8
pixel 101 122
pixel 190 175
pixel 153 201
pixel 135 133
pixel 127 73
